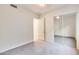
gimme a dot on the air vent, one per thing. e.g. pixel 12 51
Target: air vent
pixel 12 5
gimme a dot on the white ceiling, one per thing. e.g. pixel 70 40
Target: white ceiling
pixel 41 10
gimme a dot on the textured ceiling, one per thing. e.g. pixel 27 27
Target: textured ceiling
pixel 35 8
pixel 41 10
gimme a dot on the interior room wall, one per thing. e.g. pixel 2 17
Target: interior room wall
pixel 65 26
pixel 16 27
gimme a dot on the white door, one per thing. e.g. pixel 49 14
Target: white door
pixel 38 29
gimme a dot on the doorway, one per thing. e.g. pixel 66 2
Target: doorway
pixel 38 29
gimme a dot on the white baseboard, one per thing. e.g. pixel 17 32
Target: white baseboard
pixel 65 36
pixel 15 46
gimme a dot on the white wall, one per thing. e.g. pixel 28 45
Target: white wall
pixel 50 19
pixel 65 26
pixel 16 27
